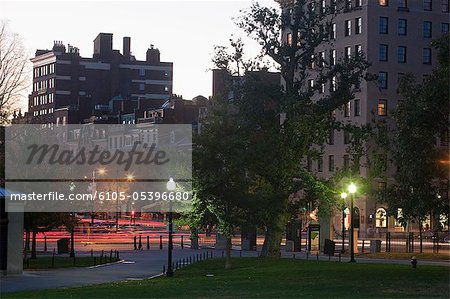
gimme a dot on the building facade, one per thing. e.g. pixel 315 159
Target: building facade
pixel 395 37
pixel 68 88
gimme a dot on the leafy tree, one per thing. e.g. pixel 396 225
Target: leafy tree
pixel 422 115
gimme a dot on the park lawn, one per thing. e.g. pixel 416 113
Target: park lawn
pixel 273 278
pixel 45 262
pixel 400 255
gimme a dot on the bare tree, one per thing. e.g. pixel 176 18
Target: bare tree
pixel 13 71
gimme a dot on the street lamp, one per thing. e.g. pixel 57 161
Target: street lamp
pixel 343 196
pixel 352 191
pixel 171 185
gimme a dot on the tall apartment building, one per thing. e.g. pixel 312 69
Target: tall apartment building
pixel 68 88
pixel 395 36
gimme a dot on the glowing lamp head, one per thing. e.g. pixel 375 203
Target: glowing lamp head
pixel 343 195
pixel 101 171
pixel 132 213
pixel 171 185
pixel 130 177
pixel 352 188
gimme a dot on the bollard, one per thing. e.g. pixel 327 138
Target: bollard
pixel 307 255
pixel 160 243
pixel 92 252
pixel 95 261
pixel 182 244
pixel 140 242
pixel 317 255
pixel 293 255
pixel 53 258
pixel 190 260
pixel 117 254
pixel 203 255
pixel 240 253
pixel 164 268
pixel 45 243
pixel 329 257
pixel 148 243
pixel 110 256
pixel 212 252
pixel 135 243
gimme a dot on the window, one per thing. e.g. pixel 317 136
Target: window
pixel 358 50
pixel 380 218
pixel 357 107
pixel 346 161
pixel 346 137
pixel 332 57
pixel 289 39
pixel 427 29
pixel 383 2
pixel 333 83
pixel 383 52
pixel 444 27
pixel 401 54
pixel 330 163
pixel 444 5
pixel 427 5
pixel 348 52
pixel 400 76
pixel 166 88
pixel 426 55
pixel 347 109
pixel 348 27
pixel 322 88
pixel 331 137
pixel 348 4
pixel 333 31
pixel 323 5
pixel 309 164
pixel 358 25
pixel 320 164
pixel 402 27
pixel 402 3
pixel 142 86
pixel 322 58
pixel 382 80
pixel 357 3
pixel 382 107
pixel 383 25
pixel 141 72
pixel 311 84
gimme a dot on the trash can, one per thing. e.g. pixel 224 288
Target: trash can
pixel 328 249
pixel 375 246
pixel 63 245
pixel 289 246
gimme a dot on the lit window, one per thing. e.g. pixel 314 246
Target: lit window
pixel 357 107
pixel 141 72
pixel 332 57
pixel 357 3
pixel 402 27
pixel 383 25
pixel 358 50
pixel 382 107
pixel 311 84
pixel 348 27
pixel 380 218
pixel 427 5
pixel 348 4
pixel 142 86
pixel 348 52
pixel 401 54
pixel 383 2
pixel 347 109
pixel 383 53
pixel 289 39
pixel 358 25
pixel 427 29
pixel 166 88
pixel 322 58
pixel 333 31
pixel 333 83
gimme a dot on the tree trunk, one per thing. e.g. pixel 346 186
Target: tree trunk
pixel 420 234
pixel 33 246
pixel 272 239
pixel 228 254
pixel 27 240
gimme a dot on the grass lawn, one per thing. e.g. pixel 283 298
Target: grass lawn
pixel 273 278
pixel 45 262
pixel 398 255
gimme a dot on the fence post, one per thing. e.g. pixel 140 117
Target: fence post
pixel 160 243
pixel 92 252
pixel 389 241
pixel 362 249
pixel 45 243
pixel 110 256
pixel 135 243
pixel 53 258
pixel 140 242
pixel 182 244
pixel 148 242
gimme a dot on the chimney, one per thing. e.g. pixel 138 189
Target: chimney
pixel 153 55
pixel 126 46
pixel 103 44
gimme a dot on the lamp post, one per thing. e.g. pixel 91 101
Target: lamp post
pixel 171 185
pixel 352 190
pixel 100 171
pixel 343 196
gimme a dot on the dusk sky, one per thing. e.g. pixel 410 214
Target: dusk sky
pixel 184 31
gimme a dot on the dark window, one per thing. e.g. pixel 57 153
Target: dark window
pixel 383 2
pixel 331 163
pixel 444 27
pixel 348 4
pixel 358 25
pixel 427 29
pixel 320 164
pixel 383 25
pixel 309 164
pixel 427 5
pixel 401 54
pixel 383 53
pixel 357 107
pixel 426 55
pixel 382 107
pixel 399 77
pixel 331 137
pixel 357 3
pixel 402 3
pixel 346 137
pixel 383 80
pixel 402 27
pixel 444 5
pixel 346 161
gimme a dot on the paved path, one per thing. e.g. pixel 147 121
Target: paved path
pixel 144 264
